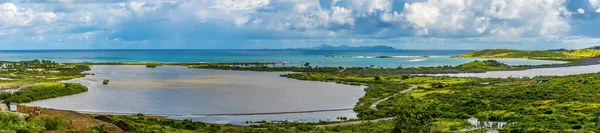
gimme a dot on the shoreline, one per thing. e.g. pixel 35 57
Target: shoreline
pixel 211 114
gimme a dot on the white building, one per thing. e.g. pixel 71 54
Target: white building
pixel 13 107
pixel 486 124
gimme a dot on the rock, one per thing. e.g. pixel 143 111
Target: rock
pixel 103 118
pixel 124 126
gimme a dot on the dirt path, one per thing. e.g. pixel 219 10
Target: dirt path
pixel 374 105
pixel 3 107
pixel 354 122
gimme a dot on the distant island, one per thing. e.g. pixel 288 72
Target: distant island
pixel 346 47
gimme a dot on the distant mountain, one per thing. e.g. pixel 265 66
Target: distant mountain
pixel 346 47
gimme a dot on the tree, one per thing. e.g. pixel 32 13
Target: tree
pixel 413 116
pixel 307 64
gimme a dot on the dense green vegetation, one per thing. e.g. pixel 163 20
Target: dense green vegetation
pixel 12 123
pixel 105 82
pixel 140 123
pixel 486 65
pixel 535 54
pixel 564 104
pixel 44 91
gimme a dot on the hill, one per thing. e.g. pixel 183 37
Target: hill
pixel 487 65
pixel 534 54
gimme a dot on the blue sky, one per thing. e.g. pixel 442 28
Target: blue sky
pixel 249 24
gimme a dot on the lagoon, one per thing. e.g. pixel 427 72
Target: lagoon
pixel 214 96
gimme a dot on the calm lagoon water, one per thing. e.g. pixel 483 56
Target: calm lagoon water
pixel 185 93
pixel 406 58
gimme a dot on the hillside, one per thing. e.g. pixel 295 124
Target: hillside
pixel 535 54
pixel 487 65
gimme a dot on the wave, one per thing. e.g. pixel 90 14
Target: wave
pixel 417 60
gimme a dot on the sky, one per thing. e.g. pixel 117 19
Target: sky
pixel 258 24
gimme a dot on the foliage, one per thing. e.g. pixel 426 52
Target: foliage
pixel 414 115
pixel 105 82
pixel 46 91
pixel 12 123
pixel 487 65
pixel 51 122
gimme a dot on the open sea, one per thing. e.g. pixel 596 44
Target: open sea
pixel 404 58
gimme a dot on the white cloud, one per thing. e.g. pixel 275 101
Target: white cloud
pixel 595 4
pixel 580 11
pixel 292 19
pixel 342 16
pixel 505 18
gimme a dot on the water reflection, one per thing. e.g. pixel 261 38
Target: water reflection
pixel 180 91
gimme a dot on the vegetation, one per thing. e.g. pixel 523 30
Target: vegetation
pixel 12 123
pixel 439 104
pixel 105 82
pixel 536 54
pixel 44 91
pixel 152 65
pixel 37 71
pixel 149 124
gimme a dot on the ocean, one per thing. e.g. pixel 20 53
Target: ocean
pixel 403 58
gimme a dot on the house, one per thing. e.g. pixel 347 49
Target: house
pixel 13 107
pixel 52 71
pixel 486 124
pixel 542 80
pixel 11 91
pixel 485 83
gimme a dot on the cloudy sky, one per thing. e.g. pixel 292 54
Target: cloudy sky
pixel 240 24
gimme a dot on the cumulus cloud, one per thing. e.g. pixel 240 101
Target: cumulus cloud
pixel 189 20
pixel 595 4
pixel 580 11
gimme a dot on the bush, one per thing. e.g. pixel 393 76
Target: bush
pixel 105 82
pixel 47 91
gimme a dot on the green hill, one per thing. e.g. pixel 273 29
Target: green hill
pixel 487 65
pixel 534 54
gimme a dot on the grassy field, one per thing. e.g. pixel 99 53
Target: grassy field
pixel 534 54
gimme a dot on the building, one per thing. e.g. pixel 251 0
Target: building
pixel 13 107
pixel 486 124
pixel 542 80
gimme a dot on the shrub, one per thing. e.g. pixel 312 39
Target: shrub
pixel 47 91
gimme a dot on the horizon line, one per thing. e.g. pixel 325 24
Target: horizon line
pixel 211 49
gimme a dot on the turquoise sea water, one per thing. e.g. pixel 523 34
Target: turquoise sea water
pixel 404 58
